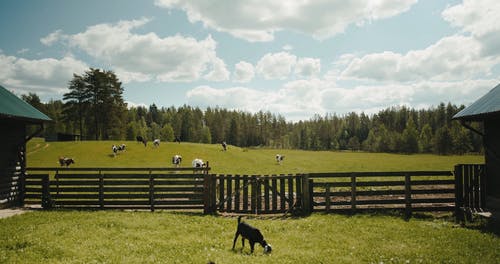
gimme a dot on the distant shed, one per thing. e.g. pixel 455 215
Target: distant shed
pixel 487 110
pixel 15 115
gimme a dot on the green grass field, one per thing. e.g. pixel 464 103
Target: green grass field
pixel 168 237
pixel 235 160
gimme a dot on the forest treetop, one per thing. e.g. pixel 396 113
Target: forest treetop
pixel 94 108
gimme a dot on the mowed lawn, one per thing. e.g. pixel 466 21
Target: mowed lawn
pixel 165 237
pixel 62 236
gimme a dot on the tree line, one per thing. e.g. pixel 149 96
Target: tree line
pixel 94 109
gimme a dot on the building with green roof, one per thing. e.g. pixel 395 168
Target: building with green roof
pixel 486 110
pixel 15 116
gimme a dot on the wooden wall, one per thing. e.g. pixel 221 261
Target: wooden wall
pixel 492 156
pixel 12 164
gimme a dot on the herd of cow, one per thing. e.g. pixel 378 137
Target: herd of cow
pixel 176 159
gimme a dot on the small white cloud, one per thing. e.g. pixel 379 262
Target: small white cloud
pixel 53 37
pixel 308 67
pixel 276 65
pixel 23 51
pixel 287 47
pixel 244 72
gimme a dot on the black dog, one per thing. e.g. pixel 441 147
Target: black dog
pixel 252 234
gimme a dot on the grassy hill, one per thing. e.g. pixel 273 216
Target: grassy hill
pixel 235 160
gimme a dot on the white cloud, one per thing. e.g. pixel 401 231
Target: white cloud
pixel 52 38
pixel 259 20
pixel 144 57
pixel 451 58
pixel 302 99
pixel 243 72
pixel 308 67
pixel 40 76
pixel 276 65
pixel 480 18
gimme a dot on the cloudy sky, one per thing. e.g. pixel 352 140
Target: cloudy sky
pixel 296 58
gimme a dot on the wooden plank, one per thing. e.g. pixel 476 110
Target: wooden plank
pixel 258 192
pixel 266 193
pixel 144 169
pixel 245 193
pixel 179 195
pixel 327 198
pixel 74 183
pixel 82 196
pixel 237 193
pixel 180 202
pixel 298 190
pixel 253 198
pixel 282 194
pixel 353 192
pixel 290 199
pixel 229 193
pixel 221 192
pixel 274 190
pixel 198 189
pixel 380 174
pixel 408 199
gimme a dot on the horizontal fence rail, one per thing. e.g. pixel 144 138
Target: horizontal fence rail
pixel 117 188
pixel 11 187
pixel 197 189
pixel 407 191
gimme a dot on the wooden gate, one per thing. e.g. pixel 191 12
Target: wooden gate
pixel 470 190
pixel 262 194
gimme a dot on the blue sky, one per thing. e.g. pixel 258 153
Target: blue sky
pixel 294 58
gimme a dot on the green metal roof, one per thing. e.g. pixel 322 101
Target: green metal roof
pixel 13 107
pixel 484 108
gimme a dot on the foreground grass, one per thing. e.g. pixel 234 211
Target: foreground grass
pixel 161 237
pixel 235 160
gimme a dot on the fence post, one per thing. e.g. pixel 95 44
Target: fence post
pixel 459 202
pixel 46 199
pixel 408 210
pixel 306 195
pixel 353 193
pixel 327 197
pixel 209 190
pixel 101 190
pixel 151 192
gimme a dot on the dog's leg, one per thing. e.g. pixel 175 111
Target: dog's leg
pixel 252 244
pixel 242 243
pixel 235 238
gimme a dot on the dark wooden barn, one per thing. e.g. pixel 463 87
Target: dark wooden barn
pixel 487 111
pixel 15 116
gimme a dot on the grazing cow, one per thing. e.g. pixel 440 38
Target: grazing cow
pixel 121 147
pixel 279 158
pixel 64 161
pixel 224 145
pixel 141 139
pixel 176 160
pixel 177 139
pixel 198 163
pixel 114 148
pixel 156 142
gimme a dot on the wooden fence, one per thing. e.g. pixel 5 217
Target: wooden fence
pixel 470 181
pixel 407 191
pixel 181 188
pixel 261 194
pixel 11 187
pixel 117 188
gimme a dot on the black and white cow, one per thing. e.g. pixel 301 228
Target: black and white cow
pixel 121 147
pixel 224 145
pixel 279 158
pixel 65 161
pixel 176 160
pixel 198 163
pixel 141 139
pixel 156 142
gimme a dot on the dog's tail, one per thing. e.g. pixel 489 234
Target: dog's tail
pixel 239 218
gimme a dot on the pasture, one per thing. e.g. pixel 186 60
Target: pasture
pixel 168 237
pixel 235 160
